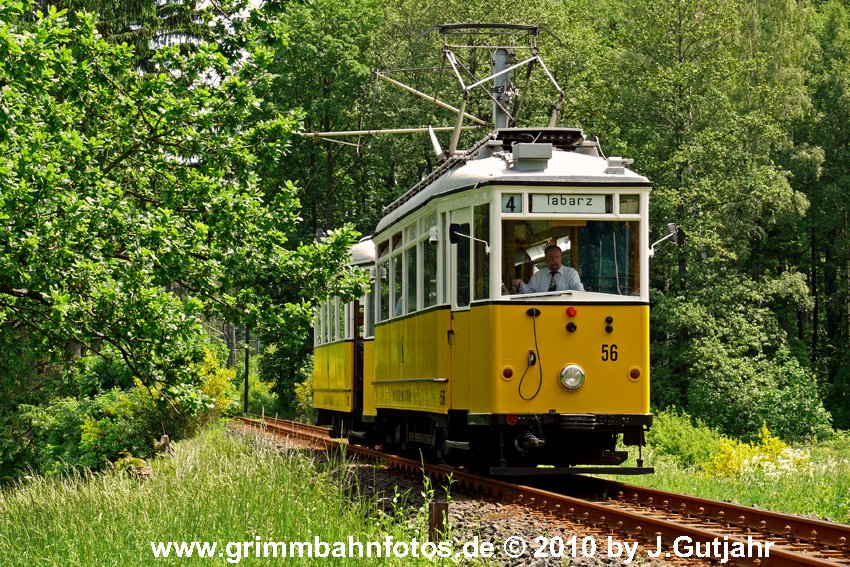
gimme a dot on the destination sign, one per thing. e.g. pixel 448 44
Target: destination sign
pixel 552 203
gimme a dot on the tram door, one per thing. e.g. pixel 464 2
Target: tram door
pixel 460 279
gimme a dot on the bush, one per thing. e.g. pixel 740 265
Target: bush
pixel 217 386
pixel 769 455
pixel 262 400
pixel 737 395
pixel 286 364
pixel 71 433
pixel 282 383
pixel 92 430
pixel 687 442
pixel 304 394
pixel 723 352
pixel 690 443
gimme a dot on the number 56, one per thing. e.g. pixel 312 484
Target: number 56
pixel 609 352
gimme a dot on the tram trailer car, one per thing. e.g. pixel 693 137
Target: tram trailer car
pixel 446 356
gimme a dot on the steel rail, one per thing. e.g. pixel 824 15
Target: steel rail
pixel 767 522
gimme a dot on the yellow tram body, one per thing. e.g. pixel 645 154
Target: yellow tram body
pixel 411 364
pixel 333 376
pixel 448 353
pixel 422 379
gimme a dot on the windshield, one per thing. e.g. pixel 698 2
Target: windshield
pixel 542 255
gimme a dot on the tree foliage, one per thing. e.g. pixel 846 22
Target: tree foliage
pixel 132 205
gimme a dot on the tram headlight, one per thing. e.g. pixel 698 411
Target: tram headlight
pixel 572 377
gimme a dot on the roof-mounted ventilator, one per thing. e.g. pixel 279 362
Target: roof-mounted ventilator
pixel 617 165
pixel 531 156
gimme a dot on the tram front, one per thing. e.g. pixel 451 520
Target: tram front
pixel 559 313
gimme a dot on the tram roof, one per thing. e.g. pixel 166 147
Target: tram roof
pixel 491 162
pixel 363 252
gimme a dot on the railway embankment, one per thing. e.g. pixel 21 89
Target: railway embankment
pixel 247 498
pixel 621 523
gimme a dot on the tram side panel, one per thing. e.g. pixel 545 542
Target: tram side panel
pixel 369 360
pixel 333 376
pixel 472 361
pixel 411 364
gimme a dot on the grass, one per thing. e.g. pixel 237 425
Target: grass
pixel 816 483
pixel 217 488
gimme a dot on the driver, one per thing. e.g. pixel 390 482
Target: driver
pixel 557 278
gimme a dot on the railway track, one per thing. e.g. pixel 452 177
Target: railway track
pixel 673 525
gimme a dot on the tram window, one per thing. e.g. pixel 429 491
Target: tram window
pixel 410 233
pixel 410 268
pixel 481 257
pixel 426 223
pixel 383 248
pixel 462 264
pixel 326 323
pixel 369 313
pixel 317 326
pixel 339 331
pixel 611 257
pixel 340 320
pixel 629 204
pixel 429 288
pixel 606 254
pixel 396 297
pixel 382 280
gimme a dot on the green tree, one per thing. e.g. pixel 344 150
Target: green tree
pixel 147 25
pixel 829 217
pixel 708 122
pixel 131 206
pixel 321 67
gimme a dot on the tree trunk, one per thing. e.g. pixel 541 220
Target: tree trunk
pixel 329 183
pixel 813 282
pixel 229 332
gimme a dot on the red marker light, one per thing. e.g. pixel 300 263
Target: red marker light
pixel 507 372
pixel 511 419
pixel 634 373
pixel 571 311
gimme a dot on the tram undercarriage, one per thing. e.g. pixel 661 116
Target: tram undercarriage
pixel 503 445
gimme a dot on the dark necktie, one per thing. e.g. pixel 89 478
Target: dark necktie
pixel 552 285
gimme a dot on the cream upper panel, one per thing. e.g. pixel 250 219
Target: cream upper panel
pixel 563 168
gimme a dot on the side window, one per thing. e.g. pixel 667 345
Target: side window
pixel 382 281
pixel 429 274
pixel 462 276
pixel 481 220
pixel 396 281
pixel 369 313
pixel 340 319
pixel 326 333
pixel 428 250
pixel 396 298
pixel 317 326
pixel 410 268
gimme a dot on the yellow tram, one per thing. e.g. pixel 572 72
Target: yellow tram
pixel 457 352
